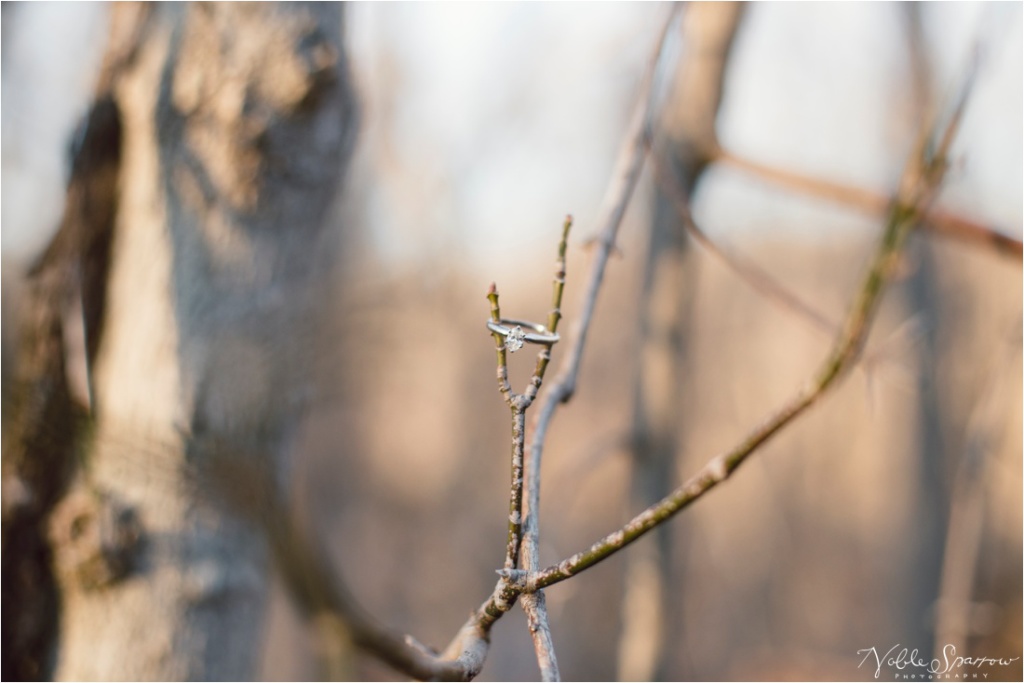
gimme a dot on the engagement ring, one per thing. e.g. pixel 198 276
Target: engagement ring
pixel 512 331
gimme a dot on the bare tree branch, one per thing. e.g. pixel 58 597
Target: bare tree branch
pixel 917 189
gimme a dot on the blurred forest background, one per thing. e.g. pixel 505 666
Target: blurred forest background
pixel 481 126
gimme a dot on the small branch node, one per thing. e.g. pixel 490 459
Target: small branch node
pixel 718 469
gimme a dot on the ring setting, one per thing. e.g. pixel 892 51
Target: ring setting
pixel 516 334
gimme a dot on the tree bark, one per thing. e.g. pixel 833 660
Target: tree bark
pixel 237 125
pixel 59 321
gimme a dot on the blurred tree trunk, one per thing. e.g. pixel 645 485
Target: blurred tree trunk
pixel 925 296
pixel 686 142
pixel 236 121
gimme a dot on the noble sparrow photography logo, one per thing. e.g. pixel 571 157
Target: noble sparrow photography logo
pixel 909 665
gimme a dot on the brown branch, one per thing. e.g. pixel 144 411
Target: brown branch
pixel 617 199
pixel 960 228
pixel 936 221
pixel 917 189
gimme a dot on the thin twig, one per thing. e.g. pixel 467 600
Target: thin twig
pixel 506 593
pixel 555 315
pixel 917 190
pixel 623 183
pixel 499 346
pixel 515 498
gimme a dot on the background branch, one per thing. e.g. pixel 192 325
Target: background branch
pixel 937 221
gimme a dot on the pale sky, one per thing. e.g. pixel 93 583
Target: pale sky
pixel 485 123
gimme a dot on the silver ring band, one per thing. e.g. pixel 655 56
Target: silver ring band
pixel 513 332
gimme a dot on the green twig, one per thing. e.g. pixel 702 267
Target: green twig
pixel 559 285
pixel 544 356
pixel 499 346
